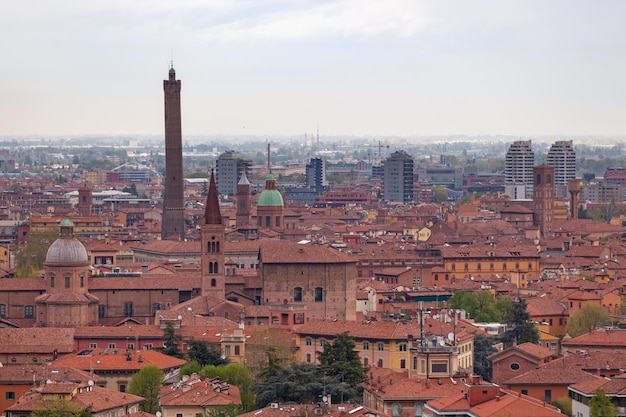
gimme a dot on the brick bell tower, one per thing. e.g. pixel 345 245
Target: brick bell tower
pixel 212 251
pixel 543 198
pixel 243 201
pixel 173 200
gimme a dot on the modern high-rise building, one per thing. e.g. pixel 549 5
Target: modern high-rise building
pixel 173 198
pixel 398 177
pixel 315 175
pixel 518 170
pixel 562 157
pixel 230 167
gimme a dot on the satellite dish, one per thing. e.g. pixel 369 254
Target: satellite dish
pixel 325 398
pixel 441 342
pixel 49 381
pixel 179 317
pixel 451 336
pixel 90 383
pixel 158 414
pixel 365 312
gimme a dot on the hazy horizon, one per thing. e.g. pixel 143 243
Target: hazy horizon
pixel 389 68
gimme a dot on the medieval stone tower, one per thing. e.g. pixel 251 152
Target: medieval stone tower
pixel 543 198
pixel 243 201
pixel 173 200
pixel 85 200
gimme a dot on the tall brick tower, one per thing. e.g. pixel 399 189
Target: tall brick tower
pixel 212 251
pixel 243 201
pixel 173 202
pixel 543 197
pixel 85 200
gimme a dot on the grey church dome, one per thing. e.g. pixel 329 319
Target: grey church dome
pixel 66 249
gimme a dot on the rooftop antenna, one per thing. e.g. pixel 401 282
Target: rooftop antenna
pixel 268 158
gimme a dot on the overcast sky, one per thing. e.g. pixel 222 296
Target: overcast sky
pixel 354 67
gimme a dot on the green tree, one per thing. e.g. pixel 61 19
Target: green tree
pixel 228 410
pixel 523 330
pixel 172 339
pixel 61 407
pixel 200 352
pixel 440 194
pixel 340 358
pixel 301 383
pixel 564 404
pixel 29 260
pixel 586 319
pixel 601 406
pixel 481 305
pixel 483 347
pixel 190 368
pixel 235 374
pixel 147 383
pixel 273 367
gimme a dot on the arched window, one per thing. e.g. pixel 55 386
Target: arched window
pixel 366 345
pixel 396 410
pixel 52 281
pixel 213 282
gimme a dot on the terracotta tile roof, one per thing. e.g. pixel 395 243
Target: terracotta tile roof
pixel 599 338
pixel 22 284
pixel 299 410
pixel 117 360
pixel 611 387
pixel 513 404
pixel 199 391
pixel 132 330
pixel 281 252
pixel 379 329
pixel 545 375
pixel 17 374
pixel 545 306
pixel 100 399
pixel 535 350
pixel 172 247
pixel 36 340
pixel 185 281
pixel 389 385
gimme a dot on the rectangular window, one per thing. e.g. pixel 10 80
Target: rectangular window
pixel 112 345
pixel 93 346
pixel 130 346
pixel 147 346
pixel 10 395
pixel 237 350
pixel 29 312
pixel 3 310
pixel 67 282
pixel 548 395
pixel 227 350
pixel 102 311
pixel 319 294
pixel 128 309
pixel 439 367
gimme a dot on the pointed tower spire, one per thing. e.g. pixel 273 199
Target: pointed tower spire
pixel 212 214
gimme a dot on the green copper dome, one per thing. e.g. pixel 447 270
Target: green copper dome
pixel 271 198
